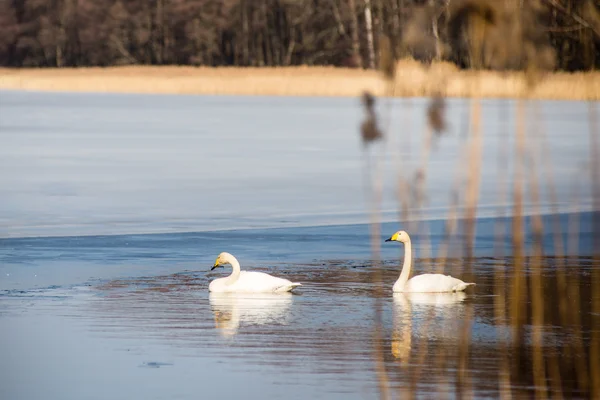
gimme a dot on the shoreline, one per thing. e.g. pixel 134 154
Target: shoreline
pixel 412 80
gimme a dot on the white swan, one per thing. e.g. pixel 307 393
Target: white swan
pixel 245 281
pixel 426 283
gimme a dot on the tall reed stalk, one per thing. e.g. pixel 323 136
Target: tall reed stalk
pixel 594 356
pixel 525 301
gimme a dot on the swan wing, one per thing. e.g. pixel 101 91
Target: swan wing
pixel 254 281
pixel 433 283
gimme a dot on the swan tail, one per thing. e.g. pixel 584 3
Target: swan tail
pixel 288 288
pixel 465 285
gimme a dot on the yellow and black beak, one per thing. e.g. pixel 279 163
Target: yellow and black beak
pixel 392 238
pixel 215 266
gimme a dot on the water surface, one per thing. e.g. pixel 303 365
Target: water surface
pixel 115 207
pixel 80 164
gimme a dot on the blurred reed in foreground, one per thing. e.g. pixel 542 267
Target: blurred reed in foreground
pixel 504 36
pixel 411 80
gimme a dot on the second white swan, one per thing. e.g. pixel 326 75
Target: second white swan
pixel 247 281
pixel 425 283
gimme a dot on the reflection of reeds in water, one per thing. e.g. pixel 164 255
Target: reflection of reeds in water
pixel 504 36
pixel 371 133
pixel 594 356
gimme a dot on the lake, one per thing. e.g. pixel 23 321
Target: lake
pixel 114 208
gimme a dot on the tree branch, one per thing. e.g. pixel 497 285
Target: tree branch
pixel 573 15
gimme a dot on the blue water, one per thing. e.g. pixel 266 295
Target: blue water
pixel 75 164
pixel 45 261
pixel 83 312
pixel 115 208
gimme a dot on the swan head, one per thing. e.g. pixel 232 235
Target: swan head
pixel 400 236
pixel 222 259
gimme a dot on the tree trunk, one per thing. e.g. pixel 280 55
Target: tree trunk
pixel 338 18
pixel 268 37
pixel 435 29
pixel 395 34
pixel 354 28
pixel 245 34
pixel 159 22
pixel 282 26
pixel 290 48
pixel 369 28
pixel 63 11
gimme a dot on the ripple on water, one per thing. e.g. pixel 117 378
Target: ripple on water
pixel 325 328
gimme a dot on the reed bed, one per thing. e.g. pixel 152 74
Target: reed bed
pixel 525 301
pixel 412 79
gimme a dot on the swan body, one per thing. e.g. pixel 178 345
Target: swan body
pixel 432 283
pixel 247 281
pixel 425 283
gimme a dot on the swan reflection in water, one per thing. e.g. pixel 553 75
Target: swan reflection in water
pixel 436 315
pixel 233 309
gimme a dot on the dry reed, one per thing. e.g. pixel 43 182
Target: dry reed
pixel 529 366
pixel 412 79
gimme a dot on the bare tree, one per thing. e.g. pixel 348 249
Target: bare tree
pixel 278 32
pixel 369 33
pixel 356 58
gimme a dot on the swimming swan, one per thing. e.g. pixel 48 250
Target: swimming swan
pixel 245 281
pixel 426 283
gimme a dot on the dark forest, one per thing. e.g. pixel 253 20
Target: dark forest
pixel 73 33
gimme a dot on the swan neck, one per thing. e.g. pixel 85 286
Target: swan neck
pixel 235 274
pixel 406 266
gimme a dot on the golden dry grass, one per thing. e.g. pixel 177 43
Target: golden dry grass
pixel 412 80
